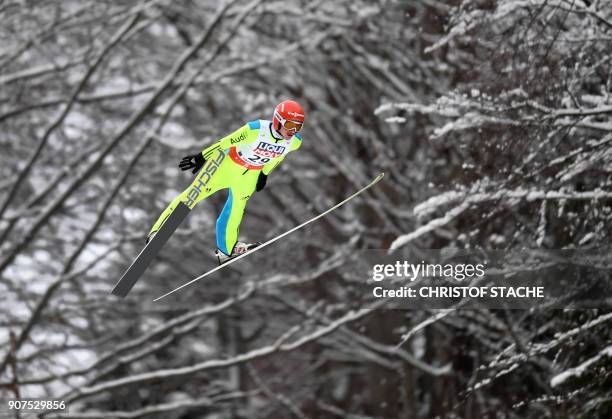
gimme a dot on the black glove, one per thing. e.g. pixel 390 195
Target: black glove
pixel 261 182
pixel 196 162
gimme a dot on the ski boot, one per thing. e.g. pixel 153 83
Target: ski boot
pixel 239 249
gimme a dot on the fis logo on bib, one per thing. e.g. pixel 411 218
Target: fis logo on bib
pixel 269 150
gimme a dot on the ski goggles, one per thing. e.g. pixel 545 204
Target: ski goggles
pixel 288 124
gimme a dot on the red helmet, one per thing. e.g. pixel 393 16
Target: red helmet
pixel 288 114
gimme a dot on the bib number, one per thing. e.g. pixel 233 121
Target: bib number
pixel 258 160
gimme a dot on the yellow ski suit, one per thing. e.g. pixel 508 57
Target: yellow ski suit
pixel 234 163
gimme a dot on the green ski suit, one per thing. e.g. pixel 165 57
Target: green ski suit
pixel 234 163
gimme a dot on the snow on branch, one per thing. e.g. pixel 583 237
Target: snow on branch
pixel 509 11
pixel 280 345
pixel 430 226
pixel 540 348
pixel 466 199
pixel 466 111
pixel 452 197
pixel 463 24
pixel 578 370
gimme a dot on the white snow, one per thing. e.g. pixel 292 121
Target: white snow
pixel 434 202
pixel 587 237
pixel 430 226
pixel 578 370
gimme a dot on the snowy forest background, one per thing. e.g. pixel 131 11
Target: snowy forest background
pixel 492 121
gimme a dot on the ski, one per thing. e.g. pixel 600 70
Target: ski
pixel 272 240
pixel 151 249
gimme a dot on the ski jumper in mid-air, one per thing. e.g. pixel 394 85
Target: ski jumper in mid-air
pixel 242 162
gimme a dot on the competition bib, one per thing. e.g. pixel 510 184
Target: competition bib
pixel 261 151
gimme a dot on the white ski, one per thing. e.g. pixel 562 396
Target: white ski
pixel 272 240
